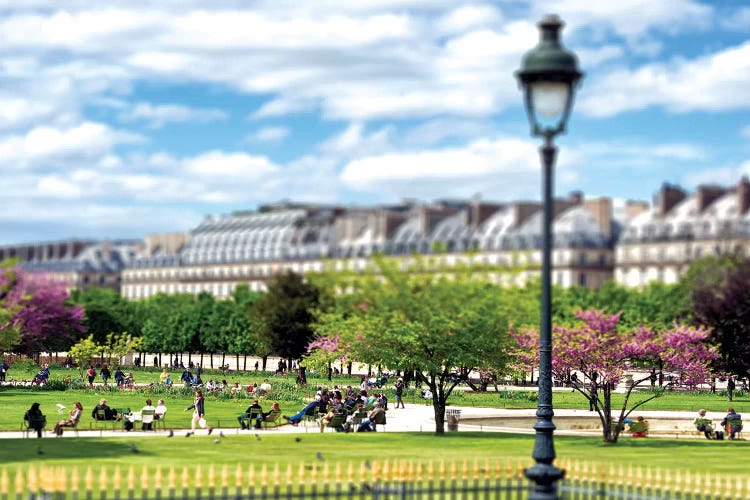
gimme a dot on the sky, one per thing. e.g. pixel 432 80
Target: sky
pixel 123 118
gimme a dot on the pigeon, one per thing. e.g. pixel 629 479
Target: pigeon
pixel 320 456
pixel 216 441
pixel 221 434
pixel 134 448
pixel 40 451
pixel 367 464
pixel 210 430
pixel 187 434
pixel 171 433
pixel 257 437
pixel 298 439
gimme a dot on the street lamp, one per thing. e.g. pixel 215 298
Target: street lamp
pixel 548 76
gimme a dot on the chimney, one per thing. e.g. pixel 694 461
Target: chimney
pixel 480 212
pixel 743 195
pixel 601 208
pixel 707 195
pixel 634 208
pixel 667 198
pixel 523 210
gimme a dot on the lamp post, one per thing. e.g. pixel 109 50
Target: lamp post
pixel 548 77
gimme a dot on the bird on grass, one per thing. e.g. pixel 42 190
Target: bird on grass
pixel 134 448
pixel 257 437
pixel 298 439
pixel 320 456
pixel 187 434
pixel 221 434
pixel 216 441
pixel 171 433
pixel 40 451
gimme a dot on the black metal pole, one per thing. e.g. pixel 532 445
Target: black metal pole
pixel 543 473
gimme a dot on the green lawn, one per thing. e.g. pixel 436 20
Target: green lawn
pixel 707 456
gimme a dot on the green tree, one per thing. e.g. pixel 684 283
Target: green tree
pixel 118 345
pixel 83 352
pixel 106 311
pixel 724 305
pixel 443 328
pixel 285 314
pixel 10 303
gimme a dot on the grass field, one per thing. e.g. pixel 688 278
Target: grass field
pixel 707 456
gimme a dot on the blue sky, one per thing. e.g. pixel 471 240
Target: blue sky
pixel 119 119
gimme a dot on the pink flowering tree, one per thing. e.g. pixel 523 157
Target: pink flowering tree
pixel 595 355
pixel 40 313
pixel 323 352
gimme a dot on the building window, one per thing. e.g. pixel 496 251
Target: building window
pixel 582 279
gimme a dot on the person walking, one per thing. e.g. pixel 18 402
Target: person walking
pixel 105 373
pixel 399 392
pixel 199 412
pixel 730 388
pixel 91 374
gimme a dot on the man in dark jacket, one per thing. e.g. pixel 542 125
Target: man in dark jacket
pixel 250 414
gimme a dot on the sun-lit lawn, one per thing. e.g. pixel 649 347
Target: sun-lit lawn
pixel 269 447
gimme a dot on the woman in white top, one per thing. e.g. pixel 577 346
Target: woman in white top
pixel 161 409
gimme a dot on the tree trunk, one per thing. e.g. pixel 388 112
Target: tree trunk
pixel 330 372
pixel 244 363
pixel 349 368
pixel 223 360
pixel 265 360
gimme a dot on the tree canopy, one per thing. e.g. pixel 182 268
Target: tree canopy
pixel 599 353
pixel 441 328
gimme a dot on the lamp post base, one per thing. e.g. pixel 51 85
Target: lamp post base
pixel 545 476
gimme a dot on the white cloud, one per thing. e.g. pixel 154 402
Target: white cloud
pixel 467 17
pixel 437 130
pixel 746 131
pixel 478 160
pixel 41 144
pixel 354 141
pixel 156 116
pixel 631 19
pixel 716 82
pixel 268 134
